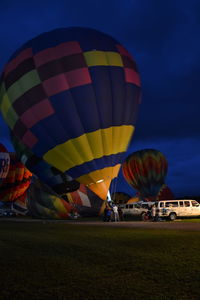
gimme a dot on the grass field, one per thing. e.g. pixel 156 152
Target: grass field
pixel 66 261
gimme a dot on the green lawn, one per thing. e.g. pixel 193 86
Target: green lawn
pixel 66 261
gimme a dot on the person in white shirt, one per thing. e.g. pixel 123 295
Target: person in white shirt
pixel 116 214
pixel 153 212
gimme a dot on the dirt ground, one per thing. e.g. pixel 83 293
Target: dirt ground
pixel 175 225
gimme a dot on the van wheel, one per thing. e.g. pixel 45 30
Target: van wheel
pixel 172 216
pixel 144 216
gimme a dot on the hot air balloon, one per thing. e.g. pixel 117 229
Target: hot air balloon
pixel 20 205
pixel 146 170
pixel 120 197
pixel 61 183
pixel 4 162
pixel 71 97
pixel 165 193
pixel 16 182
pixel 86 202
pixel 42 203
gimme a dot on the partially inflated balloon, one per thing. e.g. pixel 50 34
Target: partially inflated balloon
pixel 145 170
pixel 20 205
pixel 41 202
pixel 86 203
pixel 71 97
pixel 4 162
pixel 165 193
pixel 16 182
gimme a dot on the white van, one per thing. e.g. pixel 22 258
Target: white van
pixel 177 208
pixel 136 209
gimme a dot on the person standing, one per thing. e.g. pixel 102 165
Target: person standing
pixel 153 212
pixel 107 214
pixel 121 214
pixel 116 214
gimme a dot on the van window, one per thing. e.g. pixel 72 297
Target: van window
pixel 137 206
pixel 130 205
pixel 171 204
pixel 145 206
pixel 181 203
pixel 194 203
pixel 187 203
pixel 161 204
pixel 126 206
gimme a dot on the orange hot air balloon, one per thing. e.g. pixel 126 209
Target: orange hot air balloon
pixel 4 162
pixel 17 181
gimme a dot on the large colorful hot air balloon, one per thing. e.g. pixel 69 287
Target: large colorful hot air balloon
pixel 16 182
pixel 146 170
pixel 71 97
pixel 4 162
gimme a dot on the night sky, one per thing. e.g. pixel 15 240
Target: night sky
pixel 164 38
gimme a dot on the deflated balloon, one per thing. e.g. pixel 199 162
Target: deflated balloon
pixel 20 205
pixel 165 193
pixel 42 202
pixel 145 170
pixel 71 97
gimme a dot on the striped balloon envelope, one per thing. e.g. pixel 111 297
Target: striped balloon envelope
pixel 71 97
pixel 4 162
pixel 16 182
pixel 61 183
pixel 145 170
pixel 41 202
pixel 85 202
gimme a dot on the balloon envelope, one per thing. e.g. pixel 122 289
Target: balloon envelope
pixel 20 205
pixel 16 182
pixel 42 202
pixel 4 162
pixel 145 170
pixel 71 96
pixel 165 193
pixel 60 182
